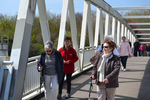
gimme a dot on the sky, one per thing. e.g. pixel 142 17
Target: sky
pixel 10 7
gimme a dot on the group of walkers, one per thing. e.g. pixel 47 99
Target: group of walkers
pixel 55 65
pixel 140 49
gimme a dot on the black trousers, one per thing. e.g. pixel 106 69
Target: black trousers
pixel 124 61
pixel 135 53
pixel 68 80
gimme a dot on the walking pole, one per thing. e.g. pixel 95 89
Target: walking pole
pixel 90 89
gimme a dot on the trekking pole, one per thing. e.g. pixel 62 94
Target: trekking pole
pixel 90 89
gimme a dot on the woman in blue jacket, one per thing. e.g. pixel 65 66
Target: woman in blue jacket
pixel 51 66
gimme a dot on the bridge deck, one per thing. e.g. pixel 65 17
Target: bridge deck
pixel 134 83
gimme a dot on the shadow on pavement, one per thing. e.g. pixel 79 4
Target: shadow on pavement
pixel 144 92
pixel 124 98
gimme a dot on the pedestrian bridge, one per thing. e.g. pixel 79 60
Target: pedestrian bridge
pixel 19 77
pixel 133 84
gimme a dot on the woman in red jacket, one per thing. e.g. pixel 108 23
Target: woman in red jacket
pixel 70 57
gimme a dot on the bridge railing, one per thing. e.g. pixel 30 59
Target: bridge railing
pixel 32 78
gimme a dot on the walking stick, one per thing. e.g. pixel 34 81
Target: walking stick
pixel 90 89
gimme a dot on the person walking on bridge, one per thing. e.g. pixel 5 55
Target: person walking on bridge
pixel 136 48
pixel 147 49
pixel 106 71
pixel 142 49
pixel 100 49
pixel 51 65
pixel 70 57
pixel 124 51
pixel 110 38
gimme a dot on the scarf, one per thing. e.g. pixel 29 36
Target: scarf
pixel 101 68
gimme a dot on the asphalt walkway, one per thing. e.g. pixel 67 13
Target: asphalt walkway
pixel 134 84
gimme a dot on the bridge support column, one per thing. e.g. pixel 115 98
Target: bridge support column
pixel 107 24
pixel 118 33
pixel 68 6
pixel 21 45
pixel 125 32
pixel 43 20
pixel 86 20
pixel 62 30
pixel 114 29
pixel 128 34
pixel 130 37
pixel 99 27
pixel 122 30
pixel 74 30
pixel 133 39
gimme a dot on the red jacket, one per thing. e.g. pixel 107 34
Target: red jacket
pixel 71 56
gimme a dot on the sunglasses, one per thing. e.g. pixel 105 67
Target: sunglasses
pixel 105 46
pixel 48 50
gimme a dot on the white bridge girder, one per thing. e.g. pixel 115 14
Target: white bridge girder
pixel 131 8
pixel 23 32
pixel 137 17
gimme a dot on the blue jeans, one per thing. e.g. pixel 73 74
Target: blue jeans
pixel 147 53
pixel 142 53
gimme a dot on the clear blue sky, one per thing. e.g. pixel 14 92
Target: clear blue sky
pixel 10 7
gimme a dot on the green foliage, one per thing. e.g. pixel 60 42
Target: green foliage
pixel 35 49
pixel 7 26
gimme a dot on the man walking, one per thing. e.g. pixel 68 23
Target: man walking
pixel 136 48
pixel 124 51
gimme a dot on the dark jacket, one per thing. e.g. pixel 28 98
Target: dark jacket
pixel 59 65
pixel 111 72
pixel 147 48
pixel 136 46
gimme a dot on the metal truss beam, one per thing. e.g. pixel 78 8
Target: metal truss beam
pixel 144 38
pixel 135 17
pixel 131 8
pixel 143 34
pixel 145 42
pixel 141 29
pixel 43 20
pixel 138 23
pixel 106 7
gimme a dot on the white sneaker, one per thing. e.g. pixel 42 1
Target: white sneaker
pixel 124 70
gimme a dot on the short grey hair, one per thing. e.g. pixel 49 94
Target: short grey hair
pixel 48 44
pixel 109 37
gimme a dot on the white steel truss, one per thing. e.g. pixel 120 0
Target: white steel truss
pixel 142 33
pixel 23 32
pixel 131 8
pixel 138 23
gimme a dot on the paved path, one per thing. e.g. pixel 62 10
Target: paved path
pixel 134 83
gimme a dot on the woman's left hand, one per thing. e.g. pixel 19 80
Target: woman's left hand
pixel 106 81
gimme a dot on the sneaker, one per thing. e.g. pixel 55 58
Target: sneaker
pixel 67 96
pixel 124 70
pixel 59 97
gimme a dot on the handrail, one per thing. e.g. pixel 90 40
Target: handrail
pixel 33 58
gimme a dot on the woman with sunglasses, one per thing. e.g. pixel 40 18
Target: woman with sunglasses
pixel 100 49
pixel 108 38
pixel 52 67
pixel 106 71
